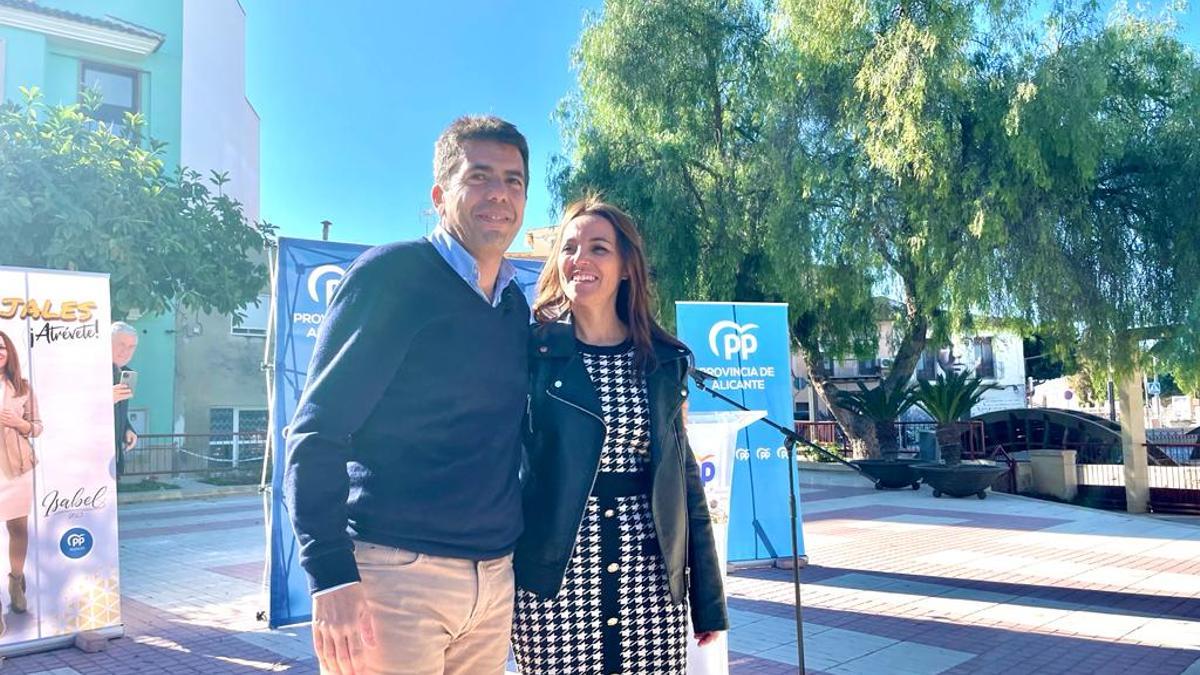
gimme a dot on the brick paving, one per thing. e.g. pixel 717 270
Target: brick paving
pixel 898 582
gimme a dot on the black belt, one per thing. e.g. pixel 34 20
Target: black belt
pixel 622 484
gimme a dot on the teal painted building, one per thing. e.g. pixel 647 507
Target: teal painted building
pixel 131 50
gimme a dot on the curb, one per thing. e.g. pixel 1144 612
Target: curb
pixel 824 466
pixel 178 494
pixel 1160 517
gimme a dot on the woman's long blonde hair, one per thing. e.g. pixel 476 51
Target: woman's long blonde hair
pixel 633 295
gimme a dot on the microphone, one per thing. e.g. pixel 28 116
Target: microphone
pixel 701 377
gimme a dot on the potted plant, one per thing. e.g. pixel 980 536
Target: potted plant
pixel 949 401
pixel 883 408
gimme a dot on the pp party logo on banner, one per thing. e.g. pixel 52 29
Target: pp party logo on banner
pixel 734 340
pixel 76 543
pixel 323 282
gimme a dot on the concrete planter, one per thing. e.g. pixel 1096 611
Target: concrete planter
pixel 962 480
pixel 890 474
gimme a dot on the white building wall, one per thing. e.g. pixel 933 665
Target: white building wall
pixel 219 127
pixel 1008 353
pixel 219 132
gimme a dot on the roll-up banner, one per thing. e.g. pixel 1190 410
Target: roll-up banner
pixel 306 275
pixel 745 345
pixel 713 437
pixel 57 460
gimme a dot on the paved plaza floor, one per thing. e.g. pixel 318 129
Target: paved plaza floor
pixel 898 582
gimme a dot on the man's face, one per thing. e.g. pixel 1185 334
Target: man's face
pixel 123 346
pixel 484 202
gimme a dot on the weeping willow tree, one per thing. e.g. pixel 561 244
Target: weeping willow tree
pixel 923 163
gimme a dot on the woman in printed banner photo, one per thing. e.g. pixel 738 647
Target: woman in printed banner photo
pixel 18 424
pixel 618 544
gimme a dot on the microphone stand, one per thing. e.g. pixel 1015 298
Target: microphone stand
pixel 791 438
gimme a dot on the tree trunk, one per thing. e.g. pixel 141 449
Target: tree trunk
pixel 862 433
pixel 859 430
pixel 889 440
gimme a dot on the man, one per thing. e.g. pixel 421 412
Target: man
pixel 402 459
pixel 124 344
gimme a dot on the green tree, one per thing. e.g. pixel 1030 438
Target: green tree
pixel 80 195
pixel 667 122
pixel 962 160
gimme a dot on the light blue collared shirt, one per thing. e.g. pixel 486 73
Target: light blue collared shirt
pixel 461 260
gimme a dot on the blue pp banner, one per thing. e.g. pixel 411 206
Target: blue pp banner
pixel 746 346
pixel 307 274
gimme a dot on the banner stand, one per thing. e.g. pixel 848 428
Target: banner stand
pixel 745 347
pixel 59 475
pixel 713 437
pixel 60 642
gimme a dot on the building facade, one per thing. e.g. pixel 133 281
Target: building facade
pixel 996 356
pixel 181 65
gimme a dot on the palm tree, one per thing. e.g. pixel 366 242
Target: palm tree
pixel 949 401
pixel 882 407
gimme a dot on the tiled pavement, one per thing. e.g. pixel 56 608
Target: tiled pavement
pixel 899 582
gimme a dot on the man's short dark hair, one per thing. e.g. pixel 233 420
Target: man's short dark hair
pixel 448 150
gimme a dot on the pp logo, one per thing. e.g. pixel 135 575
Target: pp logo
pixel 76 543
pixel 334 274
pixel 733 338
pixel 708 470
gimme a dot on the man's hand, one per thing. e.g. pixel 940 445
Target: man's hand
pixel 130 439
pixel 342 628
pixel 121 392
pixel 706 637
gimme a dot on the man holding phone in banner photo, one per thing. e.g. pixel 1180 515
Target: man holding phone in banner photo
pixel 124 344
pixel 401 475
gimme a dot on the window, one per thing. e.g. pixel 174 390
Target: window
pixel 927 368
pixel 119 91
pixel 255 321
pixel 236 434
pixel 934 363
pixel 984 357
pixel 139 418
pixel 868 367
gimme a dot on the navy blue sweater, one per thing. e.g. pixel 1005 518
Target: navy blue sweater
pixel 408 430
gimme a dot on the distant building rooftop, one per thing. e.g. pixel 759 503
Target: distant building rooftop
pixel 108 31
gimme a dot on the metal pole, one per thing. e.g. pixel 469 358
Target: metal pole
pixel 795 516
pixel 325 230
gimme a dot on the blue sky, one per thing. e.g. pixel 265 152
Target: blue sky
pixel 353 94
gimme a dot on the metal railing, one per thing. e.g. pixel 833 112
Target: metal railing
pixel 1173 474
pixel 177 454
pixel 829 434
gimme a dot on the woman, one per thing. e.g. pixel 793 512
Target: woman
pixel 18 423
pixel 615 518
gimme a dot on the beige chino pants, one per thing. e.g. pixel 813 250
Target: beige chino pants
pixel 434 615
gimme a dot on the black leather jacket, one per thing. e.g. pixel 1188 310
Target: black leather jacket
pixel 565 433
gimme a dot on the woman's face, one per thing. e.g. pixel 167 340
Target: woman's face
pixel 590 266
pixel 3 355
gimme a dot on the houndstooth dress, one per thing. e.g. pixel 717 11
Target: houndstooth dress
pixel 614 612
